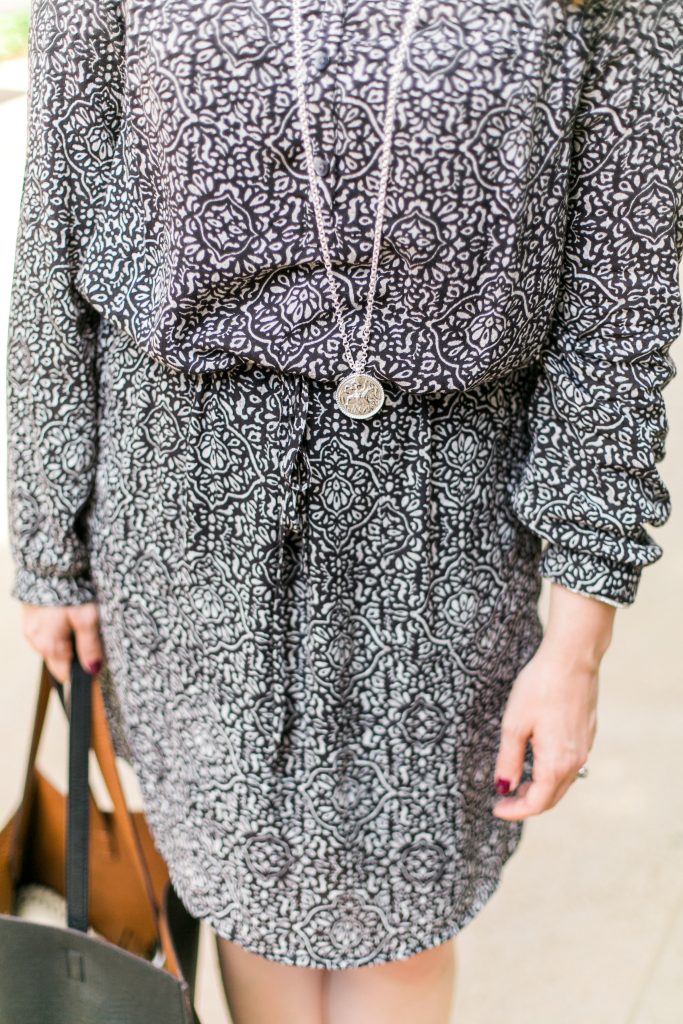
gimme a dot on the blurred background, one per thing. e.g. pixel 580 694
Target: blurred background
pixel 586 926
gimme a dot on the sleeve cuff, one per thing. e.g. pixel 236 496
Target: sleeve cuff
pixel 33 588
pixel 614 583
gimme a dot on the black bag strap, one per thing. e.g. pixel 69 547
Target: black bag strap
pixel 182 928
pixel 78 803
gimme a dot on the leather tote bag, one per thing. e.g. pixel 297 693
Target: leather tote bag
pixel 137 964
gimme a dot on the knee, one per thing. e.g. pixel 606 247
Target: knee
pixel 418 967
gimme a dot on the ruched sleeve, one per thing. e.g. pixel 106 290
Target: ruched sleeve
pixel 591 483
pixel 74 110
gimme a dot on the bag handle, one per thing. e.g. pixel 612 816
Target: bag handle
pixel 22 817
pixel 21 820
pixel 89 726
pixel 99 739
pixel 106 757
pixel 82 810
pixel 78 800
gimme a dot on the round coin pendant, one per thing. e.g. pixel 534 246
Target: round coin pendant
pixel 359 395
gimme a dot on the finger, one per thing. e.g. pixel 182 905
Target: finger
pixel 568 778
pixel 533 797
pixel 552 779
pixel 510 761
pixel 85 620
pixel 49 632
pixel 57 651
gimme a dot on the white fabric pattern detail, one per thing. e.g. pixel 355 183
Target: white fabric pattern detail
pixel 165 189
pixel 312 623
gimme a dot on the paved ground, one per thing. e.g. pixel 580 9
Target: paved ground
pixel 587 925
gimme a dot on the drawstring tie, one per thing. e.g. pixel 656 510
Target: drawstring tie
pixel 295 470
pixel 295 465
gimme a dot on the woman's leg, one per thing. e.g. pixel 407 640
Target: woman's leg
pixel 261 991
pixel 418 988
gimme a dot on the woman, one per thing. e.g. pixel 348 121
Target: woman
pixel 324 319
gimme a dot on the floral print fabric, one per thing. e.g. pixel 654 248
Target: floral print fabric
pixel 313 711
pixel 312 623
pixel 533 218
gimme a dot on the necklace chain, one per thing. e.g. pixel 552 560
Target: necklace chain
pixel 300 79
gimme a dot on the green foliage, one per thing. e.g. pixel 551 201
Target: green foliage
pixel 13 33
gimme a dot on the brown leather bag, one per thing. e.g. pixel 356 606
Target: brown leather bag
pixel 131 900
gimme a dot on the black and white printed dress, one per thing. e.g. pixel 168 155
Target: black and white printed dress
pixel 312 623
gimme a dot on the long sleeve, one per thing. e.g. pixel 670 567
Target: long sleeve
pixel 74 109
pixel 591 484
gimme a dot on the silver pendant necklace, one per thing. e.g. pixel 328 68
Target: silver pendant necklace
pixel 359 394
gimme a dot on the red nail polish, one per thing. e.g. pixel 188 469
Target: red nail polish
pixel 502 786
pixel 95 666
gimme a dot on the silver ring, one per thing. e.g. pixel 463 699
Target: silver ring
pixel 582 772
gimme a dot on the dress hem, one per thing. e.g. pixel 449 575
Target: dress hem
pixel 341 964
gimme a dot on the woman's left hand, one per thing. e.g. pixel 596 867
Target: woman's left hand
pixel 553 704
